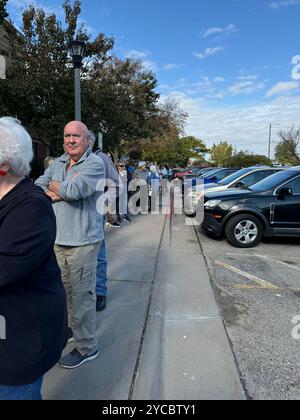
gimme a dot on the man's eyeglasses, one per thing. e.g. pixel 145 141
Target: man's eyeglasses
pixel 67 136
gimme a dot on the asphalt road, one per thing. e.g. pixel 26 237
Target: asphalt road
pixel 258 291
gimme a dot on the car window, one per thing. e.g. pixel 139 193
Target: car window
pixel 272 181
pixel 255 177
pixel 203 171
pixel 224 174
pixel 210 173
pixel 294 184
pixel 230 178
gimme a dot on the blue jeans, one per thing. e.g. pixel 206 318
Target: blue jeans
pixel 31 392
pixel 101 277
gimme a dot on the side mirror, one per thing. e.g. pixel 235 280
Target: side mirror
pixel 284 192
pixel 240 184
pixel 214 178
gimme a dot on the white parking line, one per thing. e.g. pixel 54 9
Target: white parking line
pixel 263 284
pixel 268 257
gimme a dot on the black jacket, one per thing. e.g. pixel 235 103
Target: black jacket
pixel 33 314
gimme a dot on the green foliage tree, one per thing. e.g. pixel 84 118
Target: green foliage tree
pixel 173 150
pixel 191 147
pixel 117 96
pixel 39 86
pixel 243 159
pixel 167 145
pixel 125 93
pixel 3 12
pixel 221 154
pixel 286 151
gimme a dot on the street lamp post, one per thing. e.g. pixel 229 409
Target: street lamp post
pixel 270 138
pixel 77 49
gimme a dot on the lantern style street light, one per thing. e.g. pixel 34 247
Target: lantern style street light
pixel 77 50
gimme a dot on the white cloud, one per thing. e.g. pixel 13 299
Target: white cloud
pixel 171 66
pixel 215 88
pixel 19 5
pixel 208 52
pixel 283 3
pixel 16 8
pixel 282 88
pixel 219 79
pixel 139 55
pixel 245 127
pixel 253 77
pixel 143 57
pixel 150 65
pixel 228 30
pixel 245 87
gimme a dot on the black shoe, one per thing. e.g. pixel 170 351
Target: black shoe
pixel 101 303
pixel 115 225
pixel 70 335
pixel 127 219
pixel 76 359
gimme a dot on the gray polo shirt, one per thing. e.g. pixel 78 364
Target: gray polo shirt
pixel 77 219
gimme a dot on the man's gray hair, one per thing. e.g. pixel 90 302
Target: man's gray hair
pixel 15 146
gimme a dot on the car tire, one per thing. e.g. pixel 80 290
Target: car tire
pixel 244 231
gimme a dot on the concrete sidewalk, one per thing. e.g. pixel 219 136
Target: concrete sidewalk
pixel 161 336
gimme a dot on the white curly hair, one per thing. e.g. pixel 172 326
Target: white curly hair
pixel 15 146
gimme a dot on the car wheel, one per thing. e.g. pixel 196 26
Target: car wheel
pixel 244 231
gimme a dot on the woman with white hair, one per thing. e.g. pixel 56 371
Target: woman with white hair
pixel 33 317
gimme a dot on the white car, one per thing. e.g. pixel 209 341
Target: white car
pixel 240 179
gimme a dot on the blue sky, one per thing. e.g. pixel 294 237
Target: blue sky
pixel 232 64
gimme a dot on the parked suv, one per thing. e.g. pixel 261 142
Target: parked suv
pixel 269 208
pixel 240 179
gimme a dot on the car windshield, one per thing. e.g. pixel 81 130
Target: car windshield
pixel 235 175
pixel 211 173
pixel 204 171
pixel 273 180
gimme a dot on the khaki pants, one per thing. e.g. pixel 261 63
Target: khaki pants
pixel 78 267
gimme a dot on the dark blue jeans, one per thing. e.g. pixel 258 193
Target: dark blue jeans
pixel 101 277
pixel 24 392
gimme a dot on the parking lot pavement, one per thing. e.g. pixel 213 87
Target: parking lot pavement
pixel 258 291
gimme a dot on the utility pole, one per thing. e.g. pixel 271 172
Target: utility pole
pixel 270 135
pixel 270 139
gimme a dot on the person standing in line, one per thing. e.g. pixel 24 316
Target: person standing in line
pixel 112 181
pixel 72 183
pixel 153 182
pixel 123 197
pixel 33 309
pixel 141 180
